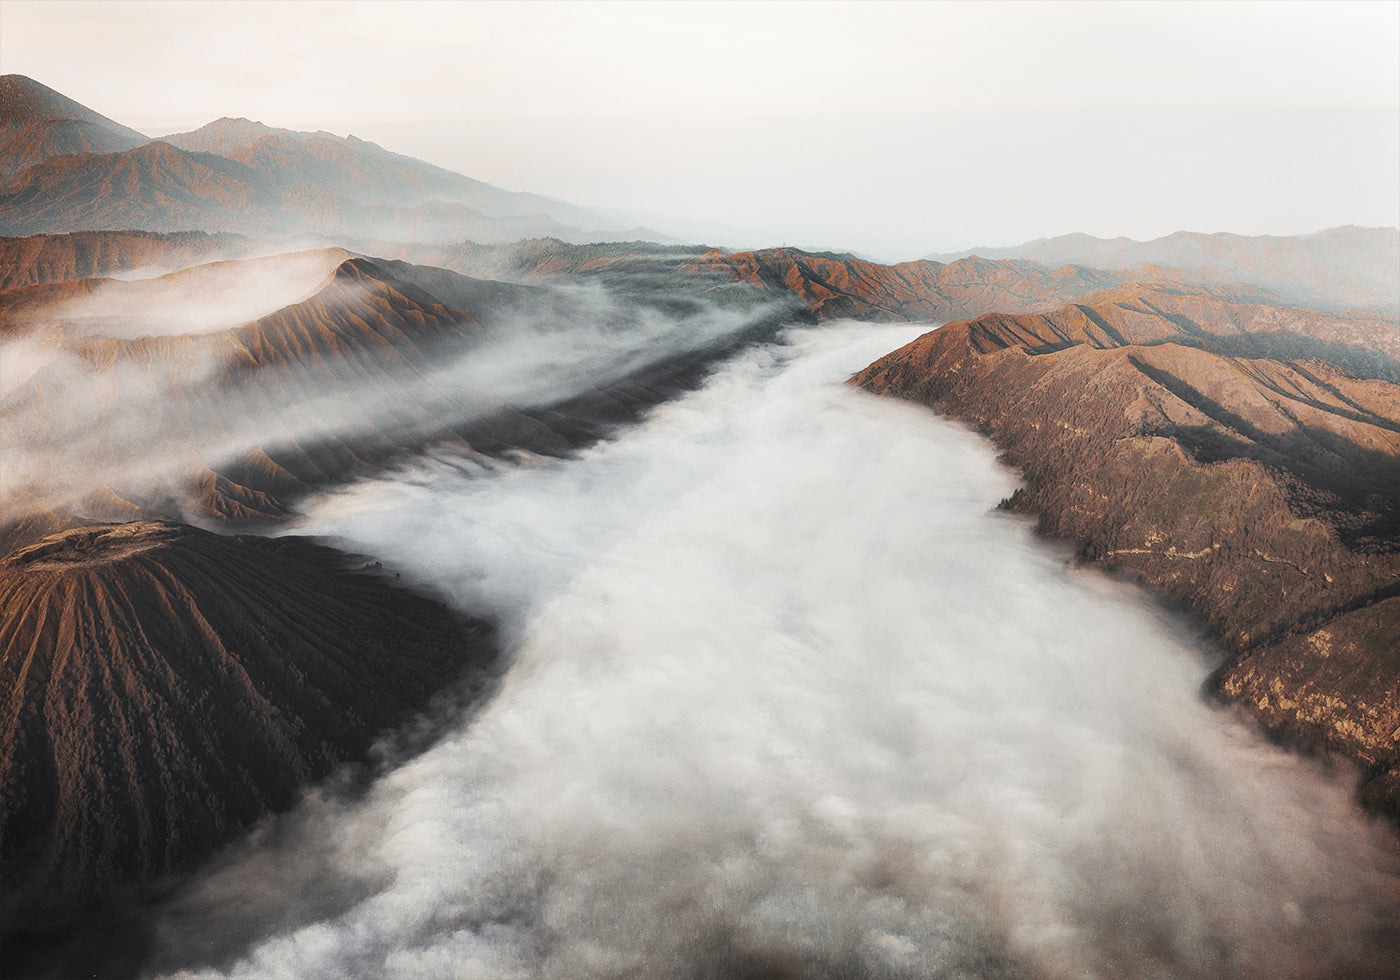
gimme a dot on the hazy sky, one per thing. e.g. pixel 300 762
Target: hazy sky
pixel 895 129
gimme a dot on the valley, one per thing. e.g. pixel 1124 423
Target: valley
pixel 395 567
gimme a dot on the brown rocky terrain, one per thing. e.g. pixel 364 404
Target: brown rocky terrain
pixel 838 287
pixel 37 123
pixel 65 168
pixel 236 424
pixel 324 384
pixel 828 286
pixel 1346 266
pixel 1206 442
pixel 165 687
pixel 38 259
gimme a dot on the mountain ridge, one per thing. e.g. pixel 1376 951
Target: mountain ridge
pixel 37 122
pixel 1202 444
pixel 1348 265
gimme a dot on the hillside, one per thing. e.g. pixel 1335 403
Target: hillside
pixel 358 170
pixel 827 286
pixel 1339 267
pixel 1202 442
pixel 126 414
pixel 165 687
pixel 35 259
pixel 37 123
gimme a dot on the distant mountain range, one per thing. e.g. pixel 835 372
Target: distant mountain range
pixel 1347 266
pixel 67 168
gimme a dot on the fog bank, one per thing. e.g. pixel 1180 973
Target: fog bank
pixel 790 699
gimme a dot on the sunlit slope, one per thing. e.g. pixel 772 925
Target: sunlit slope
pixel 1210 444
pixel 165 687
pixel 37 123
pixel 153 187
pixel 35 259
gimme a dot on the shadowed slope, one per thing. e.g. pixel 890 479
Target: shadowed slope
pixel 165 687
pixel 1153 427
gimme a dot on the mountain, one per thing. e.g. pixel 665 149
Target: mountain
pixel 829 286
pixel 164 688
pixel 1205 442
pixel 37 123
pixel 69 169
pixel 368 361
pixel 360 171
pixel 835 287
pixel 1346 266
pixel 159 187
pixel 154 187
pixel 38 259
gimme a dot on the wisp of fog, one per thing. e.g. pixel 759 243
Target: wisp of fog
pixel 790 697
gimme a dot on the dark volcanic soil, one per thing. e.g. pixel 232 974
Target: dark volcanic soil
pixel 166 687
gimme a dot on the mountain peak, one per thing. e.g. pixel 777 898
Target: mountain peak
pixel 23 101
pixel 37 123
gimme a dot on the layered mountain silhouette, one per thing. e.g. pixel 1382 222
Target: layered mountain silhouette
pixel 236 175
pixel 1347 266
pixel 165 687
pixel 1241 455
pixel 828 286
pixel 35 259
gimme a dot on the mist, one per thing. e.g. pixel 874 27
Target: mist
pixel 789 697
pixel 138 390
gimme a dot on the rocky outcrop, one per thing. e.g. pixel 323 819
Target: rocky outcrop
pixel 165 687
pixel 1200 441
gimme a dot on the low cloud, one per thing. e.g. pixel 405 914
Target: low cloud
pixel 790 698
pixel 144 414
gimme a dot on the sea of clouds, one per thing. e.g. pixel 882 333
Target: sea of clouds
pixel 788 697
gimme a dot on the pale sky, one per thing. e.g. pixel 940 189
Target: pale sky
pixel 890 129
